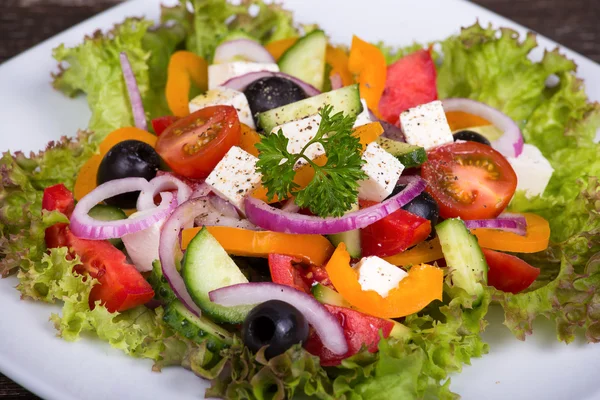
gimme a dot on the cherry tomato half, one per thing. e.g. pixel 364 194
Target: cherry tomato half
pixel 469 180
pixel 194 145
pixel 509 273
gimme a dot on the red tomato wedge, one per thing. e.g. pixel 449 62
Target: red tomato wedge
pixel 290 271
pixel 359 329
pixel 121 286
pixel 509 273
pixel 393 234
pixel 410 82
pixel 469 180
pixel 194 145
pixel 161 123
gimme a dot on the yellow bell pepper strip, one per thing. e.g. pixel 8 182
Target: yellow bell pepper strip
pixel 249 140
pixel 315 249
pixel 184 67
pixel 278 47
pixel 423 284
pixel 86 180
pixel 536 239
pixel 424 252
pixel 338 59
pixel 366 133
pixel 368 64
pixel 462 120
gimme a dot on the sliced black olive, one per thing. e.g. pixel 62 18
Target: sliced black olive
pixel 471 136
pixel 130 158
pixel 271 92
pixel 276 324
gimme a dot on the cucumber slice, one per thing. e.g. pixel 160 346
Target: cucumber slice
pixel 198 329
pixel 350 238
pixel 103 212
pixel 463 255
pixel 346 100
pixel 410 156
pixel 326 295
pixel 160 285
pixel 206 267
pixel 306 59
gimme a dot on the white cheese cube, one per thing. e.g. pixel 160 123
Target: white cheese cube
pixel 426 125
pixel 299 133
pixel 378 275
pixel 222 96
pixel 364 117
pixel 235 176
pixel 532 169
pixel 218 74
pixel 383 171
pixel 142 246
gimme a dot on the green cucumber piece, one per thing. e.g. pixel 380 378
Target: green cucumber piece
pixel 327 295
pixel 305 60
pixel 350 238
pixel 198 329
pixel 463 256
pixel 103 212
pixel 346 100
pixel 410 156
pixel 160 285
pixel 207 267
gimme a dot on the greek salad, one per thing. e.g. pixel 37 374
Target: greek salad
pixel 287 216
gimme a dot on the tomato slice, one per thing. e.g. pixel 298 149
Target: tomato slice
pixel 392 234
pixel 509 273
pixel 161 123
pixel 289 271
pixel 469 180
pixel 194 145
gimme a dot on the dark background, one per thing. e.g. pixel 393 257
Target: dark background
pixel 24 23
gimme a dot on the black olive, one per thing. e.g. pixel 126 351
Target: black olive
pixel 130 158
pixel 471 136
pixel 271 92
pixel 423 205
pixel 276 324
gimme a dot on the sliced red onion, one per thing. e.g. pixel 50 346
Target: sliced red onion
pixel 273 219
pixel 247 49
pixel 325 324
pixel 510 223
pixel 336 81
pixel 201 191
pixel 135 98
pixel 208 215
pixel 240 83
pixel 86 227
pixel 510 144
pixel 161 184
pixel 169 250
pixel 224 207
pixel 390 131
pixel 290 206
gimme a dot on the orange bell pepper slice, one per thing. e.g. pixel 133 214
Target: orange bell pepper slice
pixel 423 284
pixel 249 139
pixel 366 133
pixel 184 67
pixel 315 249
pixel 536 239
pixel 278 47
pixel 86 179
pixel 462 120
pixel 339 59
pixel 424 252
pixel 368 64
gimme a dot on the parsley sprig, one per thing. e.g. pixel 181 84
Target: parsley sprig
pixel 334 188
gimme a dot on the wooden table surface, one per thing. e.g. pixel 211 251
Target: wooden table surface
pixel 24 23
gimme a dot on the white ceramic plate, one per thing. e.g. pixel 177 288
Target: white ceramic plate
pixel 32 113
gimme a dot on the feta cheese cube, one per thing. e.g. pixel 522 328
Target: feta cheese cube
pixel 383 171
pixel 426 125
pixel 299 133
pixel 379 275
pixel 235 176
pixel 142 246
pixel 364 117
pixel 218 74
pixel 532 169
pixel 222 96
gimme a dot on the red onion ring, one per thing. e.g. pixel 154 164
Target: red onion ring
pixel 208 215
pixel 325 324
pixel 202 190
pixel 510 144
pixel 161 184
pixel 508 222
pixel 248 49
pixel 224 207
pixel 272 219
pixel 290 206
pixel 240 83
pixel 336 81
pixel 135 98
pixel 86 227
